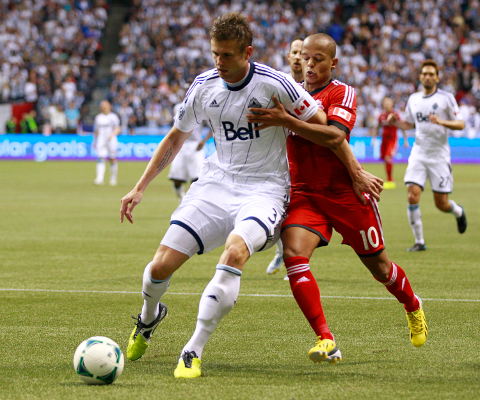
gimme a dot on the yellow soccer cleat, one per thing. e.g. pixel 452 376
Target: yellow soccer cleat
pixel 389 185
pixel 325 350
pixel 142 333
pixel 188 366
pixel 418 326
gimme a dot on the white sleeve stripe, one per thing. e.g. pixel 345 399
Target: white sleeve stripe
pixel 350 97
pixel 345 96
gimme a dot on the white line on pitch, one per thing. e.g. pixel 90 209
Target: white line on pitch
pixel 245 295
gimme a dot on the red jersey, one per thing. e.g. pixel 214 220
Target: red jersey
pixel 389 131
pixel 314 167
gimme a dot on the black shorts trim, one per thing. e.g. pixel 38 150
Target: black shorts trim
pixel 415 183
pixel 371 255
pixel 436 191
pixel 263 226
pixel 192 232
pixel 323 240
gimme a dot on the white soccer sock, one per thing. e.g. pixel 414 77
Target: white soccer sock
pixel 152 292
pixel 113 170
pixel 456 209
pixel 100 170
pixel 180 192
pixel 415 219
pixel 279 251
pixel 217 300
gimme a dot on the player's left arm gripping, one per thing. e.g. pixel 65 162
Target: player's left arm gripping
pixel 315 129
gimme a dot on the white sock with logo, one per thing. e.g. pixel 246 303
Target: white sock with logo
pixel 456 209
pixel 217 300
pixel 415 219
pixel 152 292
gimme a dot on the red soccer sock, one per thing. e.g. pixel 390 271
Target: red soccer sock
pixel 398 285
pixel 389 168
pixel 307 294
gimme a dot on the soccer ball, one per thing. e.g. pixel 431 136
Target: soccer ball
pixel 98 361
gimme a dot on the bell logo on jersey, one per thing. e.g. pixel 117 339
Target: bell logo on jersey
pixel 302 108
pixel 241 133
pixel 422 118
pixel 344 114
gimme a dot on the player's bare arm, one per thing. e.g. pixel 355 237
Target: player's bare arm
pixel 204 140
pixel 163 156
pixel 116 131
pixel 362 181
pixel 392 119
pixel 315 129
pixel 452 124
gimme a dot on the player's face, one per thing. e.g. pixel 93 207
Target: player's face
pixel 230 60
pixel 388 104
pixel 317 64
pixel 105 107
pixel 429 77
pixel 294 56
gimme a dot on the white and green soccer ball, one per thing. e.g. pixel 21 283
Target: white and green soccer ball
pixel 98 361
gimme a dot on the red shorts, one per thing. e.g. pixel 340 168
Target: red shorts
pixel 388 147
pixel 360 226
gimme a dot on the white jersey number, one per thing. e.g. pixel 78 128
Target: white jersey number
pixel 370 237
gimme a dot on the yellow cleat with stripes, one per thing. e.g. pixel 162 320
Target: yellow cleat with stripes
pixel 325 350
pixel 188 366
pixel 418 326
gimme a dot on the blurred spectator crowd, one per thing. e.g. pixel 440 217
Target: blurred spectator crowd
pixel 165 44
pixel 49 50
pixel 48 54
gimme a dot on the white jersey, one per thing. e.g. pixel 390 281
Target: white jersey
pixel 431 140
pixel 196 135
pixel 104 124
pixel 245 155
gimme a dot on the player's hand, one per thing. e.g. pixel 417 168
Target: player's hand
pixel 405 144
pixel 392 118
pixel 365 182
pixel 267 117
pixel 129 201
pixel 434 119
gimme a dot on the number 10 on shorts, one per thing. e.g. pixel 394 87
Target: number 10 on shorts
pixel 371 237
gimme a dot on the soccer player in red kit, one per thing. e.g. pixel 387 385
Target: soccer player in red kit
pixel 322 198
pixel 388 149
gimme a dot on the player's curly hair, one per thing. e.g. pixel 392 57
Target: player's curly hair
pixel 429 63
pixel 232 26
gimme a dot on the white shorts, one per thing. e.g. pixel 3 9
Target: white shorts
pixel 187 163
pixel 211 211
pixel 438 171
pixel 107 148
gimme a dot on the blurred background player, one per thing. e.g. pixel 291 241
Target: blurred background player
pixel 187 163
pixel 295 62
pixel 389 145
pixel 106 129
pixel 433 112
pixel 325 196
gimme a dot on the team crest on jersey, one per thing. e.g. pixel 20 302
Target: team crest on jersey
pixel 254 103
pixel 342 113
pixel 435 106
pixel 305 104
pixel 214 104
pixel 181 113
pixel 319 103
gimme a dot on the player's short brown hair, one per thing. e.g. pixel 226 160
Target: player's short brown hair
pixel 232 26
pixel 429 63
pixel 295 39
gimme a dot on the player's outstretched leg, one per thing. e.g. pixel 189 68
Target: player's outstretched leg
pixel 307 294
pixel 277 261
pixel 153 312
pixel 217 300
pixel 397 284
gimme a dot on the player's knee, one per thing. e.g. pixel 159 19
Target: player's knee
pixel 291 250
pixel 413 198
pixel 235 254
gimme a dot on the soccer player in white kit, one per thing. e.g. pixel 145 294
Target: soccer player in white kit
pixel 106 129
pixel 433 112
pixel 294 60
pixel 241 195
pixel 188 161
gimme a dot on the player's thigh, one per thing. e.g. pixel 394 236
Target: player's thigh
pixel 390 148
pixel 112 146
pixel 102 148
pixel 258 220
pixel 205 214
pixel 440 176
pixel 306 212
pixel 416 172
pixel 360 225
pixel 299 242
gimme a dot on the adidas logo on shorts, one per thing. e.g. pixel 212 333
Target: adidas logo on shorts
pixel 214 104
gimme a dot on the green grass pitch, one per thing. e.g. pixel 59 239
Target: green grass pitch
pixel 69 270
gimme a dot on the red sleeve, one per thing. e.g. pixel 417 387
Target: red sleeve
pixel 342 106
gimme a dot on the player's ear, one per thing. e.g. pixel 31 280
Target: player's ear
pixel 334 63
pixel 248 52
